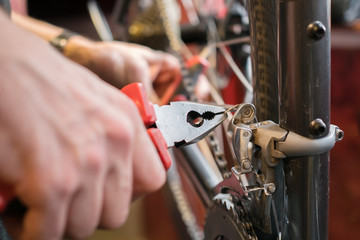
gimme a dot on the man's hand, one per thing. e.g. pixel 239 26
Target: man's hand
pixel 72 147
pixel 121 63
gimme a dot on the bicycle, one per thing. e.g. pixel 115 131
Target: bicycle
pixel 272 192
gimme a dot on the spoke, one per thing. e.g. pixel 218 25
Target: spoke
pixel 235 68
pixel 228 58
pixel 231 42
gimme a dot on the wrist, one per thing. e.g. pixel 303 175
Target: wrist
pixel 61 40
pixel 73 46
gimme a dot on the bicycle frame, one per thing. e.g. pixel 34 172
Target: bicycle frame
pixel 303 46
pixel 304 90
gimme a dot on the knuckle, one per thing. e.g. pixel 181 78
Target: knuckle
pixel 130 121
pixel 95 160
pixel 64 185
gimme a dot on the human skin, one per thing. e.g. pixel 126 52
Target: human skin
pixel 69 142
pixel 118 63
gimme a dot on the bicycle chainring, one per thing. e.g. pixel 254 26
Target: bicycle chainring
pixel 227 220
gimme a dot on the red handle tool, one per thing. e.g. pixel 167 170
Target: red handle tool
pixel 137 93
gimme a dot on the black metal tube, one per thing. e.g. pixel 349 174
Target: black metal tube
pixel 304 91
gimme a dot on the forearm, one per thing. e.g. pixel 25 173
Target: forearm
pixel 76 48
pixel 42 29
pixel 115 62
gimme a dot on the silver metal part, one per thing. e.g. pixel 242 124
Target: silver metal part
pixel 265 135
pixel 278 143
pixel 240 134
pixel 296 145
pixel 268 188
pixel 174 124
pixel 241 139
pixel 208 177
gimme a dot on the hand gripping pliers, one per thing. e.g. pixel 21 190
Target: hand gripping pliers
pixel 173 125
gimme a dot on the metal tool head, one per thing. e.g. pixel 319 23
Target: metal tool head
pixel 183 123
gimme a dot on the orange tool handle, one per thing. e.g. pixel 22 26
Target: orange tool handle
pixel 137 93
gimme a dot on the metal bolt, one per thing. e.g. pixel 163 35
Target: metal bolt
pixel 317 127
pixel 246 164
pixel 271 188
pixel 247 112
pixel 246 134
pixel 339 134
pixel 316 30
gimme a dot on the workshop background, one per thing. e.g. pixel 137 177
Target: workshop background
pixel 150 217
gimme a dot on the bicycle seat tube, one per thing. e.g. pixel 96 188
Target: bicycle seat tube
pixel 304 97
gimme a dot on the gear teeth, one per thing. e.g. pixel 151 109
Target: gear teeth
pixel 228 210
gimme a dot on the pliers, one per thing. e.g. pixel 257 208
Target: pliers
pixel 173 125
pixel 177 124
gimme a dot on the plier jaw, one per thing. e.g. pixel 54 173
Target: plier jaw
pixel 184 123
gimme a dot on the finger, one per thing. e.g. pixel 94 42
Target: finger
pixel 118 179
pixel 85 208
pixel 165 70
pixel 117 197
pixel 84 212
pixel 149 172
pixel 45 190
pixel 45 221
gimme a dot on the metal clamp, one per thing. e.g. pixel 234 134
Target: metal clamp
pixel 266 134
pixel 278 143
pixel 298 146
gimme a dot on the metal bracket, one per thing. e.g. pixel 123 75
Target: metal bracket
pixel 241 134
pixel 266 134
pixel 275 142
pixel 298 146
pixel 278 143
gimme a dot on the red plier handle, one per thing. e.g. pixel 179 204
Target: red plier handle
pixel 137 93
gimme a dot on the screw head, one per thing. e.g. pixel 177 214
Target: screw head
pixel 317 127
pixel 339 134
pixel 246 164
pixel 247 112
pixel 316 30
pixel 271 188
